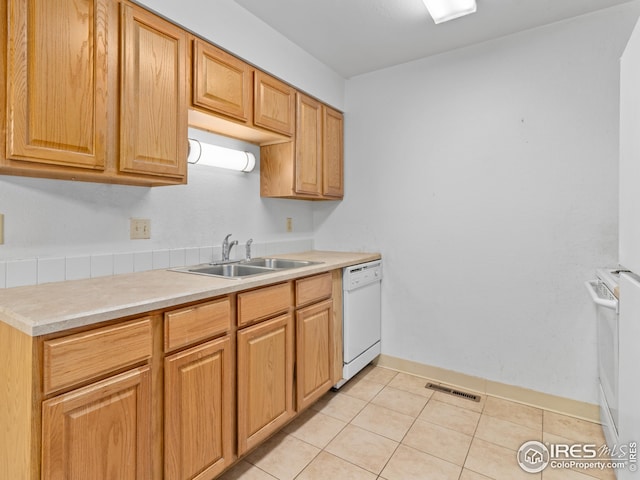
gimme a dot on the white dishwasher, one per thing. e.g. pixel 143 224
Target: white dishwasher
pixel 361 317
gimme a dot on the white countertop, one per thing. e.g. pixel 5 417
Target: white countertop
pixel 53 307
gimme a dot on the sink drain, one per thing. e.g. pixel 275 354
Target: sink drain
pixel 451 391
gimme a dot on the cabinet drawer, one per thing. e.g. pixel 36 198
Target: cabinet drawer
pixel 83 356
pixel 313 289
pixel 192 324
pixel 263 303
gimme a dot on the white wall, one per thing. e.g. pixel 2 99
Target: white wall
pixel 487 177
pixel 50 219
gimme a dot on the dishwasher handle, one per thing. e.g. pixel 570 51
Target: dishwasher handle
pixel 600 295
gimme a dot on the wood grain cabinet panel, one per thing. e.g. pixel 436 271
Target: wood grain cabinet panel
pixel 83 356
pixel 311 167
pixel 274 104
pixel 222 83
pixel 265 380
pixel 153 108
pixel 100 431
pixel 57 82
pixel 313 289
pixel 193 324
pixel 332 153
pixel 308 165
pixel 263 303
pixel 314 352
pixel 198 411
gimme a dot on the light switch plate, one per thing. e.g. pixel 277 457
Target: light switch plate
pixel 140 229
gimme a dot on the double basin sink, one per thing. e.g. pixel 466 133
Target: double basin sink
pixel 245 268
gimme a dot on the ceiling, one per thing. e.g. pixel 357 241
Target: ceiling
pixel 359 36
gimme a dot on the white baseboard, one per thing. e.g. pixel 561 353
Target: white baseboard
pixel 546 401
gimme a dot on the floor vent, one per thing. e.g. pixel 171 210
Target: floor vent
pixel 451 391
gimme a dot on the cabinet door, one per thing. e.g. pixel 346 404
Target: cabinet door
pixel 314 352
pixel 309 146
pixel 153 109
pixel 198 432
pixel 274 104
pixel 57 82
pixel 265 380
pixel 332 153
pixel 99 431
pixel 222 83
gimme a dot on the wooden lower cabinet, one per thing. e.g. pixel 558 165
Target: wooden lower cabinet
pixel 101 431
pixel 198 423
pixel 314 352
pixel 180 394
pixel 265 380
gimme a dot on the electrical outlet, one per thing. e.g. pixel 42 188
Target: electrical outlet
pixel 140 228
pixel 1 229
pixel 289 224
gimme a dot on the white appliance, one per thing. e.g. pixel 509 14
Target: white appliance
pixel 602 291
pixel 629 254
pixel 361 317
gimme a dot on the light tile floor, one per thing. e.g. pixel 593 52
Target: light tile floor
pixel 387 425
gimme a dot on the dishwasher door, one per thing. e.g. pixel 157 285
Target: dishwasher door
pixel 361 316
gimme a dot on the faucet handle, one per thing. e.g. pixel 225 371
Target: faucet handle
pixel 248 247
pixel 225 248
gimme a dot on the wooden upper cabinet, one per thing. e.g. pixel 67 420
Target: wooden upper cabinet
pixel 57 82
pixel 311 166
pixel 332 153
pixel 274 104
pixel 232 98
pixel 308 165
pixel 222 83
pixel 153 108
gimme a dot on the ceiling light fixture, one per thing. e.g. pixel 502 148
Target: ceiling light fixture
pixel 215 156
pixel 444 10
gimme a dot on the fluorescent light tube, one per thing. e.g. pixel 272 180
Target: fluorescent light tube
pixel 444 10
pixel 221 157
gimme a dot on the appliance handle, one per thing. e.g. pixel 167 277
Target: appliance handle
pixel 590 285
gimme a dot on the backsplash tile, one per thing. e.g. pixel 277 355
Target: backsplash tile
pixel 177 257
pixel 14 273
pixel 206 255
pixel 192 256
pixel 258 250
pixel 21 272
pixel 51 269
pixel 78 268
pixel 142 261
pixel 161 259
pixel 122 263
pixel 101 265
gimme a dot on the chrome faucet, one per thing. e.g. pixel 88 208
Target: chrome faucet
pixel 226 248
pixel 248 247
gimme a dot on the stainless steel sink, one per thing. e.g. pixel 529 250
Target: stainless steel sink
pixel 278 263
pixel 230 270
pixel 245 268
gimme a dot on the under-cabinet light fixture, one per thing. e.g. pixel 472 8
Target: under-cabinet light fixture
pixel 444 10
pixel 222 157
